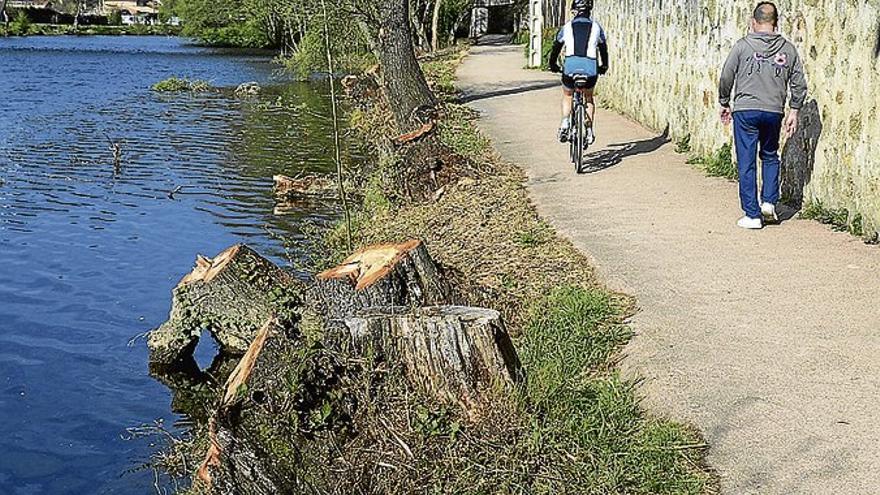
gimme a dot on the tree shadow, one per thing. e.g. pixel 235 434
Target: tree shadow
pixel 512 89
pixel 798 160
pixel 194 390
pixel 616 153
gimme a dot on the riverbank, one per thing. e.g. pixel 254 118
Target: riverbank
pixel 573 426
pixel 87 30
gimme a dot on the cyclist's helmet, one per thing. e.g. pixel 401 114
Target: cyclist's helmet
pixel 581 5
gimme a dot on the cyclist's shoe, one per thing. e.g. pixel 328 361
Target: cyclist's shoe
pixel 747 222
pixel 563 134
pixel 591 136
pixel 768 211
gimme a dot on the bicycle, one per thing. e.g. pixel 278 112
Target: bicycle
pixel 578 124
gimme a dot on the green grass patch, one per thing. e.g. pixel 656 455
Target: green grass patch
pixel 581 407
pixel 458 132
pixel 180 84
pixel 717 164
pixel 683 145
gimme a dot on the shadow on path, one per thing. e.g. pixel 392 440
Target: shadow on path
pixel 506 91
pixel 617 152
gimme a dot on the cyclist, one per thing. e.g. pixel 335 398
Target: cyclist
pixel 584 42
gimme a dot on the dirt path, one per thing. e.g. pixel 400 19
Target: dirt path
pixel 768 341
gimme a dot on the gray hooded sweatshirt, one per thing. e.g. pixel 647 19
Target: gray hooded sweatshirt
pixel 763 66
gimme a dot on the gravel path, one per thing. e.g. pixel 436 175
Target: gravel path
pixel 768 341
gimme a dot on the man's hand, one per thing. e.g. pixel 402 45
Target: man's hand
pixel 726 115
pixel 791 123
pixel 603 69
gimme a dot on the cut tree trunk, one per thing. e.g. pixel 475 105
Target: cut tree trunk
pixel 294 187
pixel 456 354
pixel 230 295
pixel 233 463
pixel 381 276
pixel 405 87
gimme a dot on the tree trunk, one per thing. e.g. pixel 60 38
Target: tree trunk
pixel 234 463
pixel 5 16
pixel 405 87
pixel 435 26
pixel 231 295
pixel 456 354
pixel 381 276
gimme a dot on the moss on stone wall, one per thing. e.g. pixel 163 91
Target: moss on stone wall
pixel 667 56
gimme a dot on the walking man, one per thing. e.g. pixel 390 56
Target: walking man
pixel 760 71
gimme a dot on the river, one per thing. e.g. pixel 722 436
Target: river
pixel 88 257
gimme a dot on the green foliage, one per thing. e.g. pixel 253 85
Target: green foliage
pixel 458 132
pixel 579 408
pixel 115 18
pixel 180 84
pixel 718 164
pixel 840 219
pixel 20 25
pixel 683 145
pixel 348 46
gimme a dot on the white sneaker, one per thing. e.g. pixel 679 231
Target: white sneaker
pixel 563 134
pixel 591 136
pixel 768 211
pixel 750 223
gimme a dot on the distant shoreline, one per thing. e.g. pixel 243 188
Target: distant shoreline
pixel 94 30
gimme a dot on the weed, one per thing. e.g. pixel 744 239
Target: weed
pixel 181 84
pixel 718 164
pixel 840 219
pixel 683 145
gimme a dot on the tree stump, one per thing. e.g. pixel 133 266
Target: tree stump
pixel 380 276
pixel 231 295
pixel 453 353
pixel 292 187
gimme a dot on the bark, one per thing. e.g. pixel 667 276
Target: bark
pixel 456 354
pixel 230 295
pixel 405 87
pixel 435 26
pixel 234 461
pixel 380 276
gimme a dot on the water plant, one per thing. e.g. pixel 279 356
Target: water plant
pixel 180 84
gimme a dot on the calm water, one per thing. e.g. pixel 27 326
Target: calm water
pixel 88 259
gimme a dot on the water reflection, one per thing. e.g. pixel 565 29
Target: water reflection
pixel 88 257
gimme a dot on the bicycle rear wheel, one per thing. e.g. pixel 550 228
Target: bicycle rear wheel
pixel 579 144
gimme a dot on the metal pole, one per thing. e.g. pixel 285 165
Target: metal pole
pixel 536 32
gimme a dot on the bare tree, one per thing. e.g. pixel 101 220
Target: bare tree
pixel 5 15
pixel 435 26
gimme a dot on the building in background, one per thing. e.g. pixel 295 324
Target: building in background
pixel 134 11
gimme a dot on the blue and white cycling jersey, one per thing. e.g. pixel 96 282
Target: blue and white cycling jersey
pixel 581 37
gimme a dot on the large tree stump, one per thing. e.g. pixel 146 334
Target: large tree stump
pixel 231 295
pixel 381 276
pixel 233 463
pixel 453 353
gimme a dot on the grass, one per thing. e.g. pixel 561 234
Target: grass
pixel 181 84
pixel 578 425
pixel 574 426
pixel 717 164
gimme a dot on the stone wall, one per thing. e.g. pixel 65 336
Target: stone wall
pixel 667 56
